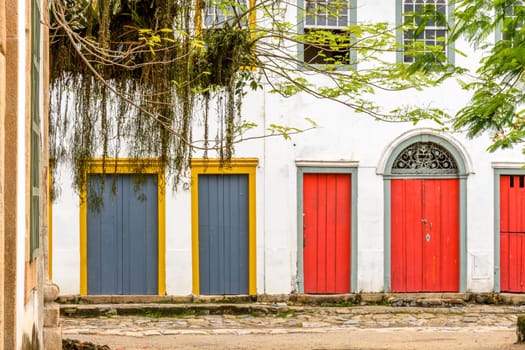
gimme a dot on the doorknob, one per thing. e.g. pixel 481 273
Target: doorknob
pixel 424 221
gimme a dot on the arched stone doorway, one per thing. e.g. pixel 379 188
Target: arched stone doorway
pixel 425 215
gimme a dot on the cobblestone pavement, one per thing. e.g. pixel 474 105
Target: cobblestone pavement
pixel 280 325
pixel 297 320
pixel 370 327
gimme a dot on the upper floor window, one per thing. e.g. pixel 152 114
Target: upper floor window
pixel 324 24
pixel 513 21
pixel 513 11
pixel 428 25
pixel 217 13
pixel 331 14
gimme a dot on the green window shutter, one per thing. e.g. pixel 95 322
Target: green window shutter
pixel 35 131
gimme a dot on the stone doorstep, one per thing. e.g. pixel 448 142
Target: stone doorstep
pixel 511 299
pixel 416 296
pixel 95 310
pixel 169 299
pixel 320 299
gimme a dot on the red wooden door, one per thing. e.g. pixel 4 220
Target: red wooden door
pixel 512 233
pixel 424 235
pixel 326 233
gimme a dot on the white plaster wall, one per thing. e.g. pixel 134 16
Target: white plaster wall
pixel 342 135
pixel 21 174
pixel 178 242
pixel 370 223
pixel 66 238
pixel 32 319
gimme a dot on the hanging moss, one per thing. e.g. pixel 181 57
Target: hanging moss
pixel 128 77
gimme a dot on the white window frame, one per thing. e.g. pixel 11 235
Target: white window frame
pixel 430 32
pixel 510 13
pixel 214 16
pixel 306 22
pixel 314 22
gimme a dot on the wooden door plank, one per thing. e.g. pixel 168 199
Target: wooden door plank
pixel 431 248
pixel 504 262
pixel 331 232
pixel 343 242
pixel 104 250
pixel 504 203
pixel 441 251
pixel 310 224
pixel 398 241
pixel 450 236
pixel 321 233
pixel 406 235
pixel 444 233
pixel 139 207
pixel 517 211
pixel 514 262
pixel 514 205
pixel 414 234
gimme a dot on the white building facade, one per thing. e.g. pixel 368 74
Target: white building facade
pixel 354 205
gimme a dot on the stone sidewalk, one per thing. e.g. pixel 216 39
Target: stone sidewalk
pixel 141 320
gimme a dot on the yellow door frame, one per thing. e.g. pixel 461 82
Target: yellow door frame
pixel 214 166
pixel 126 166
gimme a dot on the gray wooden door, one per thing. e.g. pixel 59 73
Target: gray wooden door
pixel 223 234
pixel 122 235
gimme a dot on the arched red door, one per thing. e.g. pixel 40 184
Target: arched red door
pixel 424 222
pixel 425 235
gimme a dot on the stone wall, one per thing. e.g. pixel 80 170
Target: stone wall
pixel 10 128
pixel 21 279
pixel 2 165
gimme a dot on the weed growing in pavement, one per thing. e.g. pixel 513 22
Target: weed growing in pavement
pixel 288 313
pixel 340 304
pixel 153 314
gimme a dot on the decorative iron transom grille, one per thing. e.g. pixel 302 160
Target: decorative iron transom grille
pixel 424 158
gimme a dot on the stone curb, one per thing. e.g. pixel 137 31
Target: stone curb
pixel 393 299
pixel 155 310
pixel 261 305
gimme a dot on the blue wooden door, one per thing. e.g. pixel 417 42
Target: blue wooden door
pixel 223 234
pixel 122 235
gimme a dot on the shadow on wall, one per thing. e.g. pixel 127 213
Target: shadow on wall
pixel 33 343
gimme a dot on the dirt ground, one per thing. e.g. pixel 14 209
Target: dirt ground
pixel 335 339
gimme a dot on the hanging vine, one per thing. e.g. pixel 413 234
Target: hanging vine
pixel 132 78
pixel 139 73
